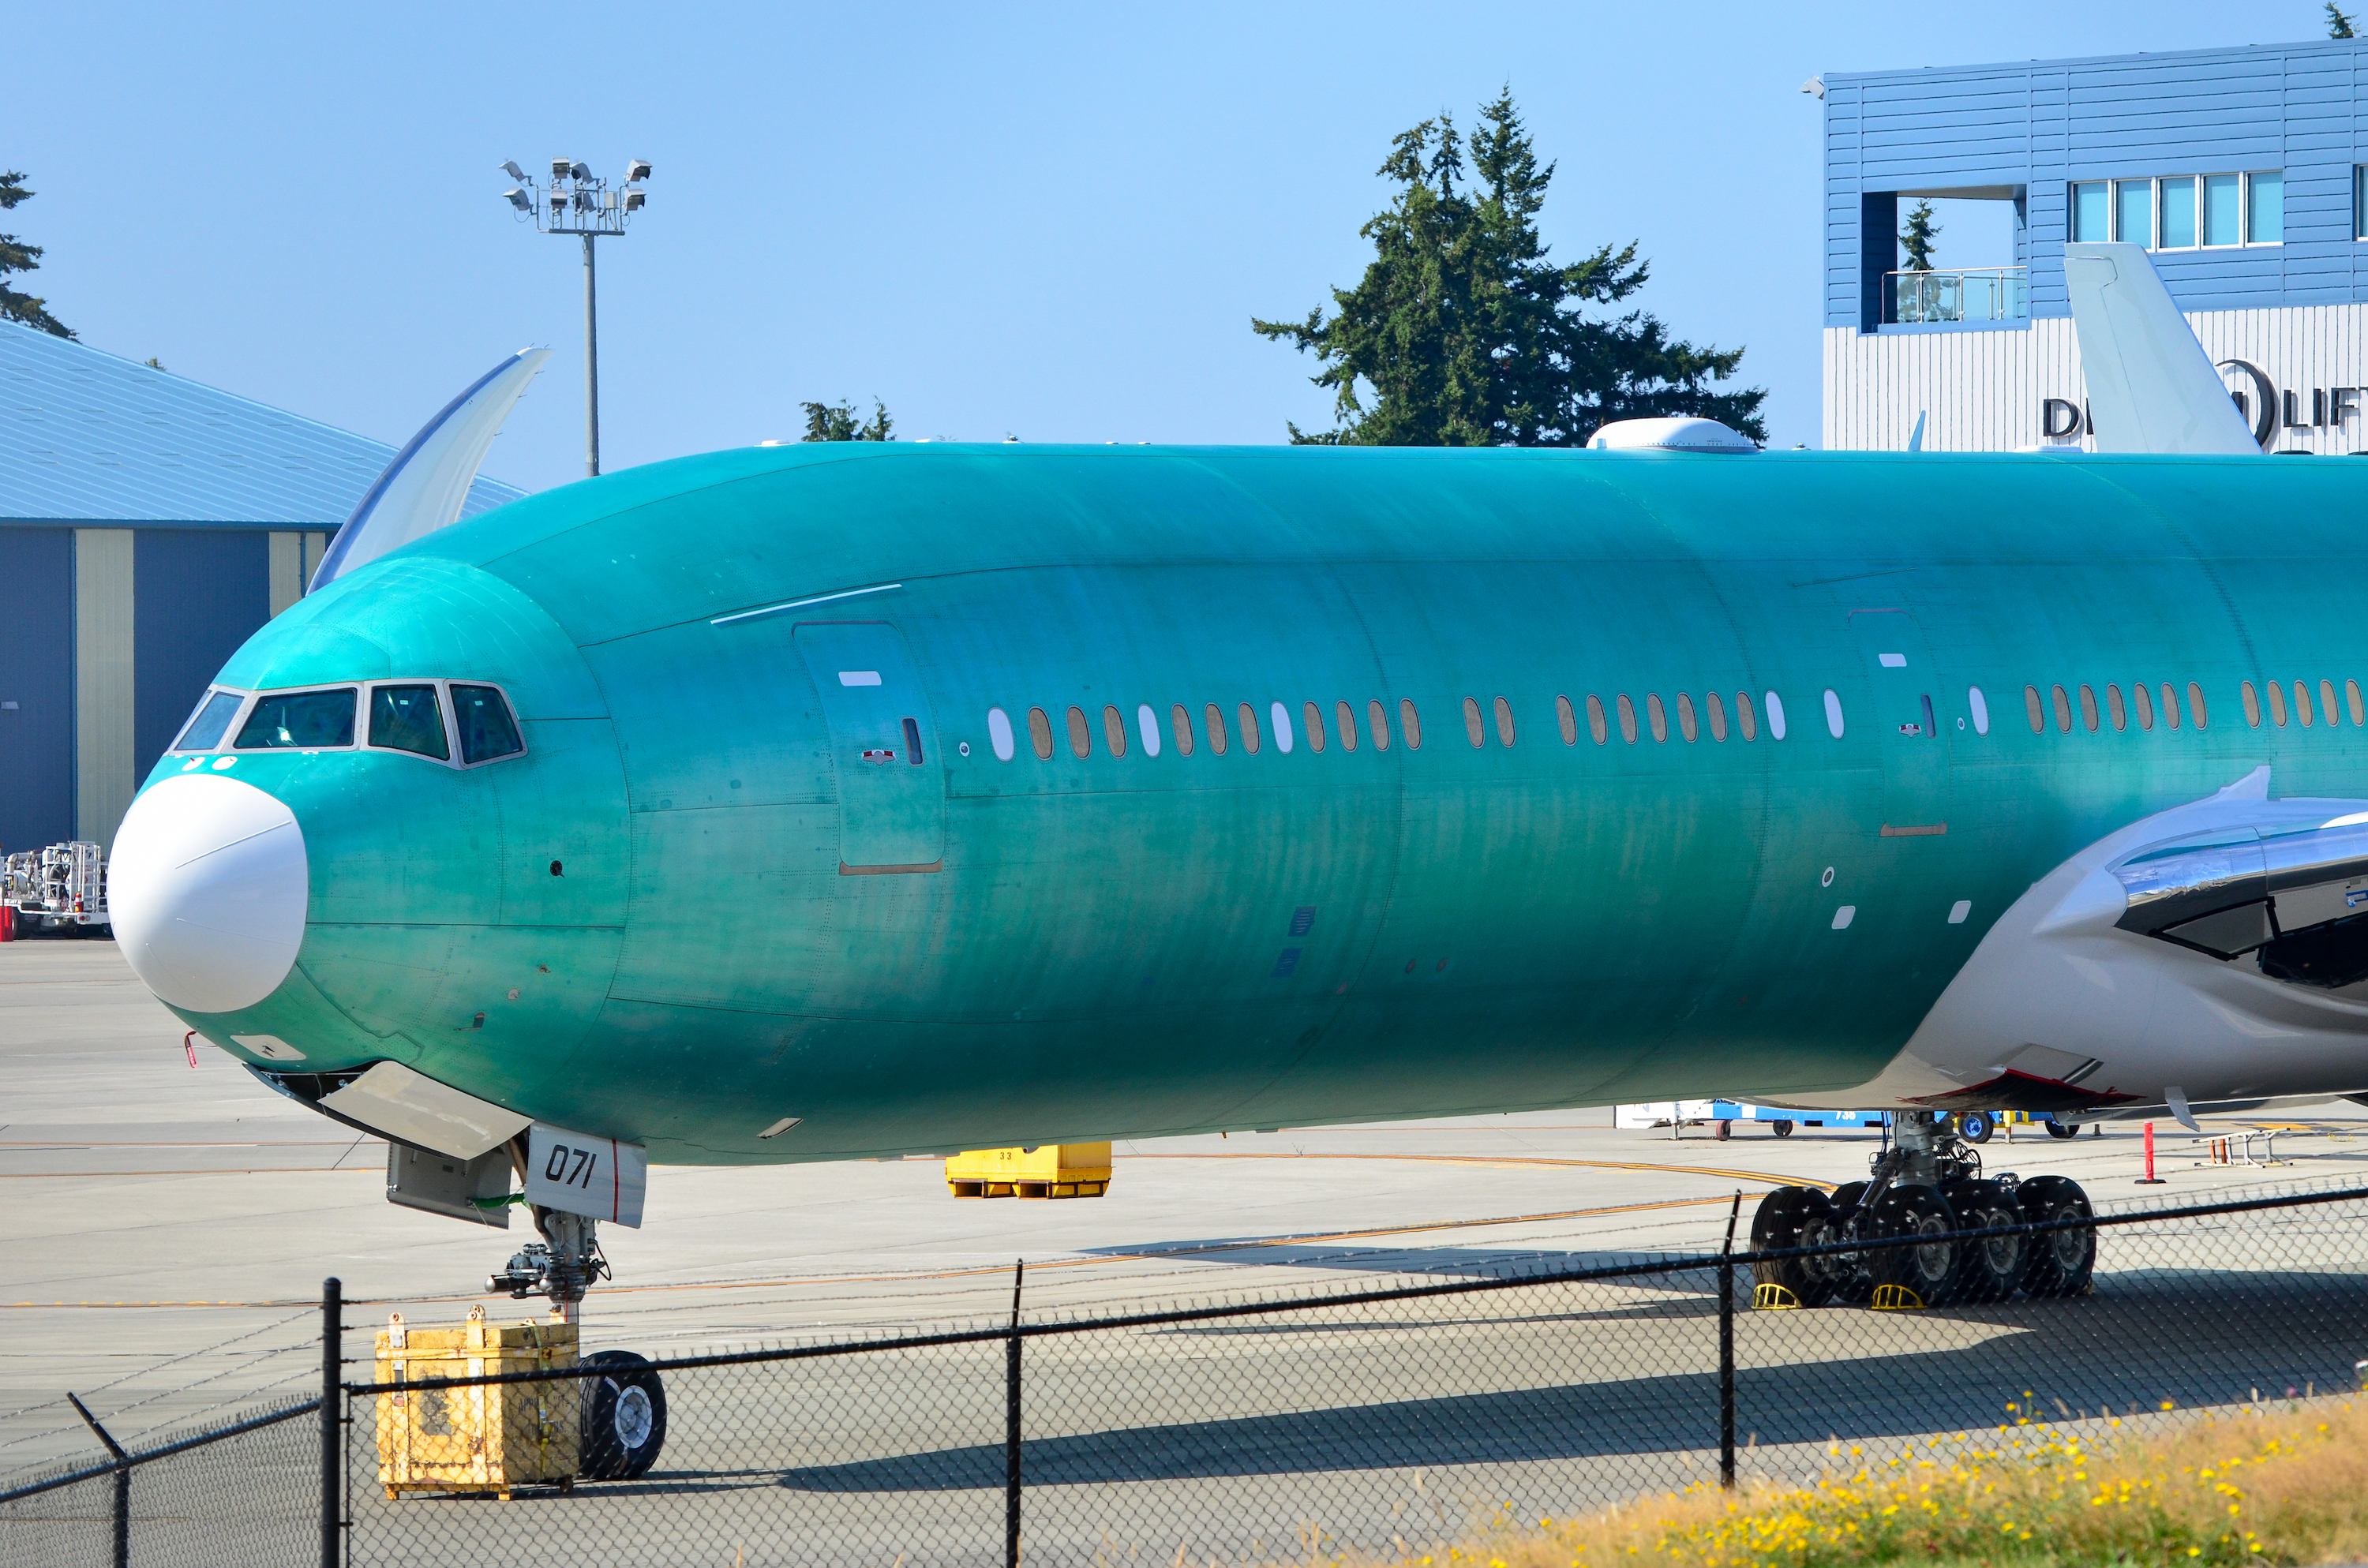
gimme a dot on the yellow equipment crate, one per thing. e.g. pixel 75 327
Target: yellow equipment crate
pixel 1048 1170
pixel 491 1438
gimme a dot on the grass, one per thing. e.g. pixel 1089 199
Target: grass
pixel 2284 1485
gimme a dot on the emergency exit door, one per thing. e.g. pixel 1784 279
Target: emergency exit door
pixel 883 747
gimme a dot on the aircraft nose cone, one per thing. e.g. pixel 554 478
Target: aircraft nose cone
pixel 206 890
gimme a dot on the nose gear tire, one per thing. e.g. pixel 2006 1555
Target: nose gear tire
pixel 624 1417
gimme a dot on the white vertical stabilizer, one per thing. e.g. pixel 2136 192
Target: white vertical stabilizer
pixel 2151 386
pixel 425 486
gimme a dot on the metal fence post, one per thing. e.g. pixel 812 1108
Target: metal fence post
pixel 122 1481
pixel 1011 1428
pixel 1727 1349
pixel 333 1349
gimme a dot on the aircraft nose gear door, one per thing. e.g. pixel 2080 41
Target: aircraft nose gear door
pixel 883 747
pixel 1912 711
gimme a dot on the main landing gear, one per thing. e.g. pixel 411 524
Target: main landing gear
pixel 624 1409
pixel 1928 1184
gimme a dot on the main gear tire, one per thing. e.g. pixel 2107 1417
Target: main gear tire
pixel 624 1417
pixel 1852 1285
pixel 1794 1217
pixel 2061 1262
pixel 1926 1267
pixel 1991 1268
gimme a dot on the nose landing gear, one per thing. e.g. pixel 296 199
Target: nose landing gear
pixel 624 1408
pixel 1928 1184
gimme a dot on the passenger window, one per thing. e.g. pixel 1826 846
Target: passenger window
pixel 1377 724
pixel 1504 723
pixel 2277 704
pixel 1040 733
pixel 2170 704
pixel 2113 708
pixel 1658 717
pixel 1280 717
pixel 1346 718
pixel 2252 705
pixel 2037 712
pixel 2088 706
pixel 2063 711
pixel 1833 713
pixel 998 733
pixel 1775 717
pixel 1247 716
pixel 1981 707
pixel 486 729
pixel 1409 724
pixel 407 718
pixel 1114 730
pixel 1627 718
pixel 2146 704
pixel 2195 706
pixel 1566 720
pixel 1081 735
pixel 1472 720
pixel 1179 724
pixel 1595 725
pixel 2352 699
pixel 1686 725
pixel 1146 725
pixel 302 720
pixel 1717 715
pixel 1745 720
pixel 2302 702
pixel 214 716
pixel 1214 718
pixel 1312 718
pixel 2326 704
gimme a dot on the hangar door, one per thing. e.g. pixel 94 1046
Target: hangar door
pixel 883 747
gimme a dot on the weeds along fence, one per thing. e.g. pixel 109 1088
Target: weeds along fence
pixel 1387 1420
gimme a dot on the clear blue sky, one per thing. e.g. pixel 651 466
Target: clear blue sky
pixel 1047 221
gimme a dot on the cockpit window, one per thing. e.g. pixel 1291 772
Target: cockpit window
pixel 206 725
pixel 300 721
pixel 407 718
pixel 486 729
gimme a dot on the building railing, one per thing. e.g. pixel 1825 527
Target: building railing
pixel 1971 294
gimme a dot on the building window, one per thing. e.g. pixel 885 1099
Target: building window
pixel 2091 216
pixel 2223 218
pixel 2175 212
pixel 2265 207
pixel 2360 201
pixel 2134 211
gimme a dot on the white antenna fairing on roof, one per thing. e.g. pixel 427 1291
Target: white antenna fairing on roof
pixel 2151 386
pixel 427 484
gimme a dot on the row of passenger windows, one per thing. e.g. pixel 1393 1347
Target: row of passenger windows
pixel 2143 705
pixel 1246 727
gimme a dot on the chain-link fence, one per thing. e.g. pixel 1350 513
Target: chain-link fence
pixel 1389 1420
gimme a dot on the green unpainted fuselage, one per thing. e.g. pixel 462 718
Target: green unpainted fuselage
pixel 1100 948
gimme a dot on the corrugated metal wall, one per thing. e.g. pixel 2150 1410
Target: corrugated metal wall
pixel 105 690
pixel 202 592
pixel 36 688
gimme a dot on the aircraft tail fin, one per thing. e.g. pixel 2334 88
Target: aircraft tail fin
pixel 2151 386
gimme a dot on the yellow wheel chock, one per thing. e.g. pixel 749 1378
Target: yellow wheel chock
pixel 1770 1297
pixel 1896 1299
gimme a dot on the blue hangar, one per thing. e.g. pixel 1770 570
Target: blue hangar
pixel 148 525
pixel 2241 169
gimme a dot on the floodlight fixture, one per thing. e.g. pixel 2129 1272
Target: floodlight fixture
pixel 575 201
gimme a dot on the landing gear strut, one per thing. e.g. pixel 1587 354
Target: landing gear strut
pixel 561 1266
pixel 1928 1184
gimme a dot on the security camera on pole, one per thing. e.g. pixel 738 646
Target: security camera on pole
pixel 575 202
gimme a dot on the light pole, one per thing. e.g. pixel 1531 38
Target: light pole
pixel 576 202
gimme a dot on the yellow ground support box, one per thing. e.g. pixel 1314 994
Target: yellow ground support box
pixel 491 1438
pixel 1048 1170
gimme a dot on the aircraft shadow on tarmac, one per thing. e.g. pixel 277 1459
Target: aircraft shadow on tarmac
pixel 2194 1337
pixel 1460 1262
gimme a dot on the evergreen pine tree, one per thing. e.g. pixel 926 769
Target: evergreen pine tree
pixel 15 256
pixel 1464 333
pixel 2337 24
pixel 838 422
pixel 1918 237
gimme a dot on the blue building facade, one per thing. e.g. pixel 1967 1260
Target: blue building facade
pixel 2241 169
pixel 148 524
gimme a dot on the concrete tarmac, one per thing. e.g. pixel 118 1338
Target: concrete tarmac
pixel 172 1224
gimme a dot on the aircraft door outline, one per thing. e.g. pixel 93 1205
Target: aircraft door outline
pixel 1908 694
pixel 883 747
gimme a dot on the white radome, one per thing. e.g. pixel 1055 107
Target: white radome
pixel 206 890
pixel 1678 434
